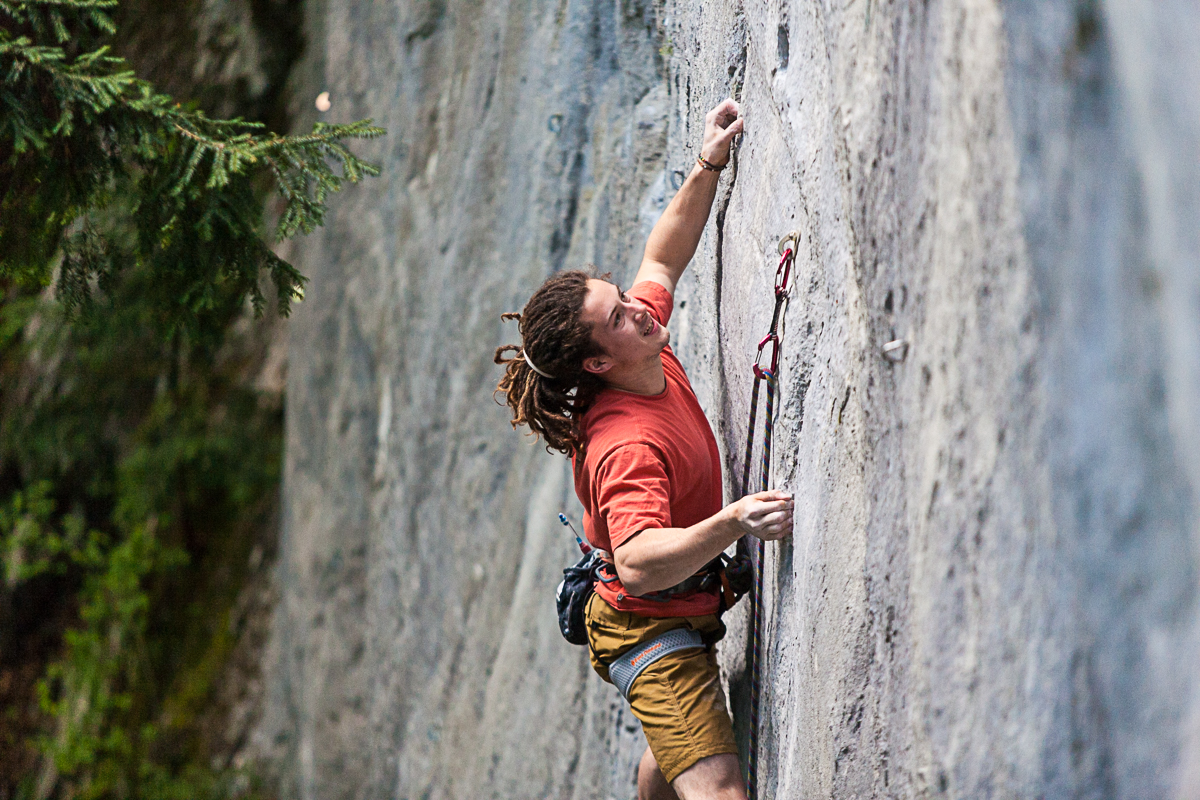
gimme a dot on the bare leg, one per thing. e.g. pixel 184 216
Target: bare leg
pixel 712 778
pixel 651 783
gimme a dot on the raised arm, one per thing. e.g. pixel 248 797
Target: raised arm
pixel 673 241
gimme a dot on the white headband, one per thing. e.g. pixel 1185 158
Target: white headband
pixel 529 361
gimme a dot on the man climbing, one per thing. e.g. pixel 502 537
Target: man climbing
pixel 595 376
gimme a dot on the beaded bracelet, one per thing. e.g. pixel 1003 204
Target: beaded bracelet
pixel 708 165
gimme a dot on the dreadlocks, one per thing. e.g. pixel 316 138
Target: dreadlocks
pixel 555 339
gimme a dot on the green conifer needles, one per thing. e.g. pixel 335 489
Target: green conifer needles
pixel 100 173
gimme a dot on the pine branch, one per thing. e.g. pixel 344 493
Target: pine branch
pixel 82 135
pixel 47 16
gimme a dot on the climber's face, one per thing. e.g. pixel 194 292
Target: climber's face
pixel 622 327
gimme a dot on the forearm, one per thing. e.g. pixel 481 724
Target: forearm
pixel 673 240
pixel 677 233
pixel 658 558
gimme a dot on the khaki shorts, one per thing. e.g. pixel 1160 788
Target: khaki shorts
pixel 677 698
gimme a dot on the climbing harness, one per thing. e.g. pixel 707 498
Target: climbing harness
pixel 626 667
pixel 722 573
pixel 730 576
pixel 763 375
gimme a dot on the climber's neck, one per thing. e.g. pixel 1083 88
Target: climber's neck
pixel 643 377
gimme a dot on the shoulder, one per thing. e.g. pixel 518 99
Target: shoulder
pixel 610 429
pixel 610 425
pixel 630 457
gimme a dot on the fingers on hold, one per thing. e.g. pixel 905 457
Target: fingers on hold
pixel 725 111
pixel 779 520
pixel 760 511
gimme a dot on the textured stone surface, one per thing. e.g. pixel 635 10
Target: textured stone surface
pixel 991 588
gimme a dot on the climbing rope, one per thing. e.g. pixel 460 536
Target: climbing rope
pixel 763 375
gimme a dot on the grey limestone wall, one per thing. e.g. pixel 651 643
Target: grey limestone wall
pixel 991 587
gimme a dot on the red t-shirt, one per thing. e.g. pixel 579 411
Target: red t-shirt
pixel 651 462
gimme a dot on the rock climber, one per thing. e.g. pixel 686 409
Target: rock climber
pixel 595 377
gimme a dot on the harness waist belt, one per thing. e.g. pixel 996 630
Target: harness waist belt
pixel 625 669
pixel 707 578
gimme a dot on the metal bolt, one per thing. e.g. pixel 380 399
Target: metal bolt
pixel 792 241
pixel 896 350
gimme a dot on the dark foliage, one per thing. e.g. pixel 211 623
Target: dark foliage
pixel 138 464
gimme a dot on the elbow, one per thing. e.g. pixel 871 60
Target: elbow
pixel 633 577
pixel 636 586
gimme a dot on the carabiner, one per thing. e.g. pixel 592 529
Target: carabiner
pixel 783 273
pixel 787 256
pixel 759 372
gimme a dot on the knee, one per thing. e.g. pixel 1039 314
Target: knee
pixel 652 784
pixel 714 778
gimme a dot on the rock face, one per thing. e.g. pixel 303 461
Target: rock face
pixel 991 587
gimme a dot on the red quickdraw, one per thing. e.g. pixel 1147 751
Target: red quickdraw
pixel 768 375
pixel 787 257
pixel 773 340
pixel 783 275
